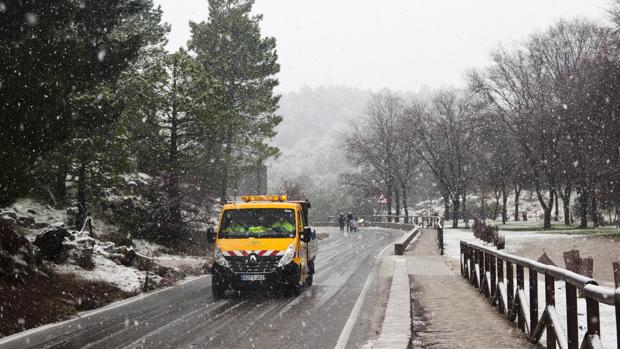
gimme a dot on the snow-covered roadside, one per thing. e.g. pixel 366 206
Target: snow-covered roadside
pixel 161 255
pixel 127 279
pixel 514 242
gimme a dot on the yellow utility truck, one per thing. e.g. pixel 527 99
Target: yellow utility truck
pixel 263 241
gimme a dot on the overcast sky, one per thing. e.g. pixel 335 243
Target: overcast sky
pixel 397 44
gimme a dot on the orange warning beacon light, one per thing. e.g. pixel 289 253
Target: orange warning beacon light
pixel 250 198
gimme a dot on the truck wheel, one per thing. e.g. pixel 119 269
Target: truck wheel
pixel 310 277
pixel 295 290
pixel 217 289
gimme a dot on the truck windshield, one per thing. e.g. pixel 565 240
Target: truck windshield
pixel 258 223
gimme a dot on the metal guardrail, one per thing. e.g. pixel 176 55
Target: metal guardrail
pixel 425 221
pixel 485 268
pixel 401 245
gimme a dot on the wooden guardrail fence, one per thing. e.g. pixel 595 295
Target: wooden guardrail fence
pixel 493 272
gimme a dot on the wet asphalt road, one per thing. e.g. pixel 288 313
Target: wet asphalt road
pixel 187 316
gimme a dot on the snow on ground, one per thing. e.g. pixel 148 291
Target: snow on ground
pixel 151 249
pixel 518 241
pixel 147 248
pixel 40 212
pixel 125 278
pixel 179 262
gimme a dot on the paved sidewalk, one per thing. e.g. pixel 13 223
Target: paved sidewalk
pixel 447 312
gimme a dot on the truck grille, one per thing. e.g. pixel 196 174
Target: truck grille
pixel 262 265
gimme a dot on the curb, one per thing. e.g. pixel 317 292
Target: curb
pixel 396 328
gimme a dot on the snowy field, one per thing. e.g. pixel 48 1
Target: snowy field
pixel 531 244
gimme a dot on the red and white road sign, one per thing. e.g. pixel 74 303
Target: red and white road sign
pixel 382 199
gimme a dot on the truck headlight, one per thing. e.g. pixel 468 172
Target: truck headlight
pixel 219 258
pixel 288 256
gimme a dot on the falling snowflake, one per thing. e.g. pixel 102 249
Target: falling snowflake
pixel 101 55
pixel 31 18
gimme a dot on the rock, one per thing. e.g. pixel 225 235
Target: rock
pixel 50 244
pixel 9 213
pixel 7 221
pixel 145 263
pixel 39 225
pixel 107 246
pixel 109 213
pixel 80 251
pixel 72 214
pixel 31 211
pixel 25 221
pixel 17 257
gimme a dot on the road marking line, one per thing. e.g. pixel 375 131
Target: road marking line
pixel 348 326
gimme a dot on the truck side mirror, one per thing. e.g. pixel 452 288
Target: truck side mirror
pixel 306 235
pixel 211 235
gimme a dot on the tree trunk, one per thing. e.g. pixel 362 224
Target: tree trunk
pixel 547 218
pixel 446 207
pixel 565 196
pixel 455 211
pixel 397 203
pixel 225 166
pixel 583 208
pixel 547 208
pixel 517 194
pixel 404 192
pixel 504 202
pixel 464 210
pixel 557 218
pixel 389 203
pixel 173 176
pixel 594 200
pixel 60 185
pixel 81 195
pixel 497 194
pixel 483 208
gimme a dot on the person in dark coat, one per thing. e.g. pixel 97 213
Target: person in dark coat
pixel 341 221
pixel 349 220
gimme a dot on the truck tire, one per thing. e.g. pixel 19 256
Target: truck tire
pixel 295 290
pixel 310 277
pixel 217 289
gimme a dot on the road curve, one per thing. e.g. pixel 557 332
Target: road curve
pixel 187 315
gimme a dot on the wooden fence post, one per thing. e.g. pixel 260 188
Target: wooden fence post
pixel 520 286
pixel 510 286
pixel 550 300
pixel 500 277
pixel 617 301
pixel 533 276
pixel 572 326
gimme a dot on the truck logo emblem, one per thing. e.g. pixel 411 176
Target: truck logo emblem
pixel 253 259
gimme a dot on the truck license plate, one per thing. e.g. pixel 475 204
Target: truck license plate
pixel 258 277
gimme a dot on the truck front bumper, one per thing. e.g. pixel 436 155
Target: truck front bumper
pixel 280 277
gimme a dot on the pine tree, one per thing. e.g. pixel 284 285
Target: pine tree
pixel 50 53
pixel 234 53
pixel 173 106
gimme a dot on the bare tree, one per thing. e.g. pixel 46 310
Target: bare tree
pixel 443 135
pixel 374 144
